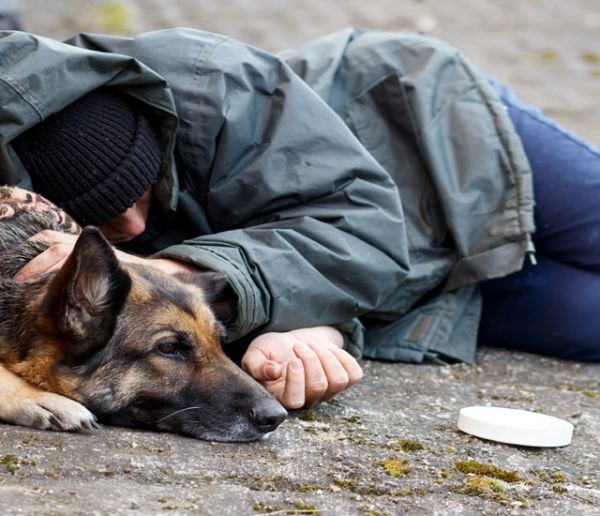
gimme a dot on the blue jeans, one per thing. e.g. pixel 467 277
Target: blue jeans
pixel 552 308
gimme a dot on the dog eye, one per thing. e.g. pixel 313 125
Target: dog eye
pixel 170 349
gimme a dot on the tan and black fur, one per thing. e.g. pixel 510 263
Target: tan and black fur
pixel 133 345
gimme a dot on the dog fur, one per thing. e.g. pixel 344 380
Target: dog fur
pixel 127 343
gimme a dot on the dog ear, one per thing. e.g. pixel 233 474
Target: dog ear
pixel 217 290
pixel 87 294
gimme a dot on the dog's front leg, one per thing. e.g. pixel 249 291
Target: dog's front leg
pixel 23 404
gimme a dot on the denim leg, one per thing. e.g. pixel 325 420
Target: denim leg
pixel 552 308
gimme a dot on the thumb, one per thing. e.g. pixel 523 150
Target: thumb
pixel 272 370
pixel 257 365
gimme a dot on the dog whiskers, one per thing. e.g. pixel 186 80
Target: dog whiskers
pixel 177 412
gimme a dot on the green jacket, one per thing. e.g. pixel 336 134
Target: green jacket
pixel 382 210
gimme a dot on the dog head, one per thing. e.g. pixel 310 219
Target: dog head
pixel 142 348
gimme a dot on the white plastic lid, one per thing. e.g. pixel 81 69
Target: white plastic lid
pixel 515 426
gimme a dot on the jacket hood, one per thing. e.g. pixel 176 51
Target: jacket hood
pixel 40 76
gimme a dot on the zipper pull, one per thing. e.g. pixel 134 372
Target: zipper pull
pixel 530 249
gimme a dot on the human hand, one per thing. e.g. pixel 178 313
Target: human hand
pixel 61 246
pixel 302 367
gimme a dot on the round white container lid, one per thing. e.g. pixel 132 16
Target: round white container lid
pixel 514 426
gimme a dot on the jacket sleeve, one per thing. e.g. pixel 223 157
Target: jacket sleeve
pixel 307 225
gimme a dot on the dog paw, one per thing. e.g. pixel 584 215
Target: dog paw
pixel 49 411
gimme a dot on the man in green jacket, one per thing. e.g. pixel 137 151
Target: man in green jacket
pixel 327 184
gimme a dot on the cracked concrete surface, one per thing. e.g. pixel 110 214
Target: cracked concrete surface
pixel 390 444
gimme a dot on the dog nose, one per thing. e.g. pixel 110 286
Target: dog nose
pixel 267 416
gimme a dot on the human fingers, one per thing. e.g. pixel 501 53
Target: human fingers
pixel 55 237
pixel 293 396
pixel 272 370
pixel 350 364
pixel 253 362
pixel 51 259
pixel 272 347
pixel 315 378
pixel 337 377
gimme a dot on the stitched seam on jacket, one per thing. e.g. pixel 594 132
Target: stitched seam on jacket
pixel 203 57
pixel 16 87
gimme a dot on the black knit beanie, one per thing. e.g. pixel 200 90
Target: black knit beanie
pixel 94 159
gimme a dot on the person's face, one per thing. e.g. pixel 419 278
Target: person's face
pixel 130 224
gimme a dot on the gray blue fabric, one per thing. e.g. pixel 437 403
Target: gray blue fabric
pixel 383 209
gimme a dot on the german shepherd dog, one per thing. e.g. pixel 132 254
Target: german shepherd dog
pixel 126 344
